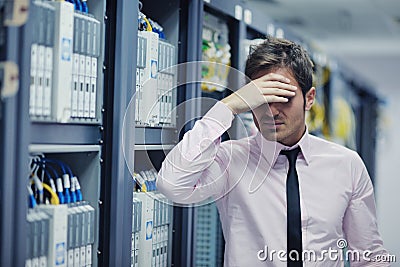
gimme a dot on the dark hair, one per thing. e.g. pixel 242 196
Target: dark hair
pixel 281 53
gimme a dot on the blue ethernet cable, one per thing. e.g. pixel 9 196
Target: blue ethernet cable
pixel 54 161
pixel 48 166
pixel 65 168
pixel 32 200
pixel 67 186
pixel 50 188
pixel 74 197
pixel 160 32
pixel 79 196
pixel 154 185
pixel 157 29
pixel 57 189
pixel 70 182
pixel 151 185
pixel 78 5
pixel 46 169
pixel 84 8
pixel 76 193
pixel 38 185
pixel 39 164
pixel 49 178
pixel 52 185
pixel 60 190
pixel 148 188
pixel 73 194
pixel 66 179
pixel 70 194
pixel 59 184
pixel 73 190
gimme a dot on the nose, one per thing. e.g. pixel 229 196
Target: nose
pixel 274 107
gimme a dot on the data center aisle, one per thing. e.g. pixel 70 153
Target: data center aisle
pixel 91 103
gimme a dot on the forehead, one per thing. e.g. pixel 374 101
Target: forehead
pixel 286 72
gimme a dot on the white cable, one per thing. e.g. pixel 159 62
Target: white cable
pixel 30 191
pixel 39 186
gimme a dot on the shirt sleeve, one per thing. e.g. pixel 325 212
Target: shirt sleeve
pixel 360 223
pixel 195 169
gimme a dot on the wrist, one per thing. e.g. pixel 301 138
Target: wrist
pixel 227 101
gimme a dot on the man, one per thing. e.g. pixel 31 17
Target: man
pixel 281 193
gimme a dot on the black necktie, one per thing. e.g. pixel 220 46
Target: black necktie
pixel 293 210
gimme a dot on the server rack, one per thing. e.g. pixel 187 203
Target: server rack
pixel 13 142
pixel 364 104
pixel 77 142
pixel 153 139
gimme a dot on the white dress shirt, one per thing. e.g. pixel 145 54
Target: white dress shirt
pixel 247 178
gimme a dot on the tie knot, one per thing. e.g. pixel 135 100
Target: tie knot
pixel 291 154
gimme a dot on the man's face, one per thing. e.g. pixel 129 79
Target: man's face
pixel 284 122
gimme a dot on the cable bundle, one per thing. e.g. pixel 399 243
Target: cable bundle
pixel 52 180
pixel 146 180
pixel 79 5
pixel 147 24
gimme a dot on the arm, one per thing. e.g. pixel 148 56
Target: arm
pixel 359 223
pixel 196 168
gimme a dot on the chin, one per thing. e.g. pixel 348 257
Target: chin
pixel 270 136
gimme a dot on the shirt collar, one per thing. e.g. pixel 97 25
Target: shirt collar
pixel 271 149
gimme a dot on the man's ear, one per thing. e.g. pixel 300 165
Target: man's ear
pixel 310 96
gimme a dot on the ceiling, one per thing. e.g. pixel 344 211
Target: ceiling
pixel 354 31
pixel 349 26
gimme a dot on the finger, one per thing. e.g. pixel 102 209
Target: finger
pixel 275 99
pixel 275 77
pixel 276 84
pixel 278 92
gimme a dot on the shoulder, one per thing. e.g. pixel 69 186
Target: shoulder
pixel 324 148
pixel 240 146
pixel 341 158
pixel 240 143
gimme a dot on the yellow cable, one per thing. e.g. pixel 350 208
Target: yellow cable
pixel 54 198
pixel 315 117
pixel 149 28
pixel 143 188
pixel 326 73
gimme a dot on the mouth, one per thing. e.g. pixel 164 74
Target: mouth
pixel 273 124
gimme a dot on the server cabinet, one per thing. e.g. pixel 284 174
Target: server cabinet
pixel 38 122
